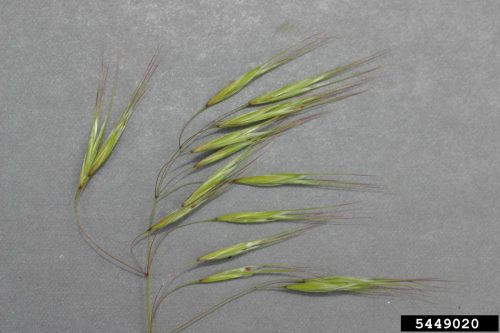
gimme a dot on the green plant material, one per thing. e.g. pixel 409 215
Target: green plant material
pixel 300 214
pixel 225 152
pixel 301 179
pixel 289 107
pixel 173 217
pixel 231 138
pixel 283 57
pixel 215 307
pixel 258 127
pixel 244 247
pixel 331 284
pixel 206 191
pixel 97 154
pixel 312 83
pixel 248 271
pixel 258 137
pixel 396 287
pixel 95 135
pixel 217 179
pixel 237 273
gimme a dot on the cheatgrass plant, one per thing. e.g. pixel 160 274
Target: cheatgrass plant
pixel 236 139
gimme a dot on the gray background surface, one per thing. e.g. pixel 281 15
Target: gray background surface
pixel 428 129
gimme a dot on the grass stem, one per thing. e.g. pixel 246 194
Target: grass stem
pixel 97 248
pixel 148 267
pixel 226 301
pixel 193 117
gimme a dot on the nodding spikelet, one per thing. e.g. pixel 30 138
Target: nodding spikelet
pixel 302 179
pixel 225 152
pixel 96 131
pixel 301 214
pixel 343 284
pixel 289 54
pixel 287 108
pixel 248 271
pixel 255 139
pixel 97 153
pixel 208 190
pixel 217 179
pixel 312 83
pixel 242 248
pixel 172 217
pixel 233 137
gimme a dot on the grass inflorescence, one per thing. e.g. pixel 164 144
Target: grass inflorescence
pixel 241 136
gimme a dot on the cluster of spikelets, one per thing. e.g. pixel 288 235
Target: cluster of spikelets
pixel 246 132
pixel 97 153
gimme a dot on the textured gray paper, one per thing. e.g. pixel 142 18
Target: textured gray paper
pixel 428 128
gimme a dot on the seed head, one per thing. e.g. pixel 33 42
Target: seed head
pixel 289 54
pixel 287 108
pixel 233 137
pixel 257 138
pixel 225 152
pixel 331 284
pixel 302 179
pixel 312 83
pixel 97 153
pixel 173 217
pixel 218 179
pixel 301 214
pixel 242 248
pixel 248 271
